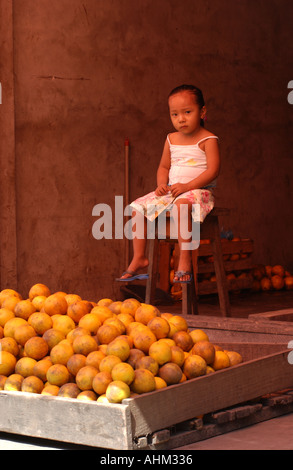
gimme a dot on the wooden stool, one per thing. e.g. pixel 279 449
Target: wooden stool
pixel 209 229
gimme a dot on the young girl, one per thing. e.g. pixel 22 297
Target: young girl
pixel 187 174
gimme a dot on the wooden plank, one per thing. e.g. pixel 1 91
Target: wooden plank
pixel 66 420
pixel 278 315
pixel 153 411
pixel 242 328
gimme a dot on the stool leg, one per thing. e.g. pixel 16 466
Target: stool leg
pixel 220 270
pixel 152 271
pixel 189 298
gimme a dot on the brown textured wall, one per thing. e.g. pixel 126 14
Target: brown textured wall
pixel 89 73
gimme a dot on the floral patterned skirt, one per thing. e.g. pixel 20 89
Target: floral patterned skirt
pixel 152 206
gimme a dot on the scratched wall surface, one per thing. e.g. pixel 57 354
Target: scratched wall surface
pixel 89 73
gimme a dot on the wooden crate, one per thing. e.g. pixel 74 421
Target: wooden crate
pixel 237 257
pixel 144 422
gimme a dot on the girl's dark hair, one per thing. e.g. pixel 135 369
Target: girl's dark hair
pixel 195 91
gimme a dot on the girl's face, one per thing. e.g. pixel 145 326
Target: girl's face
pixel 185 112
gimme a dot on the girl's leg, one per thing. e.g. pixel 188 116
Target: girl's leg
pixel 139 260
pixel 184 237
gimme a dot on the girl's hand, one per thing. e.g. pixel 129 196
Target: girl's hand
pixel 162 189
pixel 178 188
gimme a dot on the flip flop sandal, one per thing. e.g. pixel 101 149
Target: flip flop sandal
pixel 181 274
pixel 133 276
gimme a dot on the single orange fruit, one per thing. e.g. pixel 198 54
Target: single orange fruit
pixel 58 374
pixel 159 326
pixel 221 361
pixel 71 298
pixel 278 282
pixel 106 333
pixel 198 335
pixel 171 373
pixel 13 383
pixel 25 366
pixel 101 382
pixel 23 333
pixel 61 353
pixel 123 372
pixel 7 364
pixel 143 339
pixel 160 352
pixel 84 344
pixel 115 307
pixel 90 322
pixel 76 362
pixel 117 391
pixel 84 377
pixel 183 339
pixel 145 313
pixel 177 355
pixel 147 362
pixel 36 347
pixel 119 347
pixel 160 383
pixel 102 311
pixel 23 309
pixel 5 315
pixel 288 282
pixel 41 322
pixel 87 395
pixel 104 302
pixel 129 306
pixel 144 381
pixel 55 304
pixel 234 357
pixel 53 337
pixel 63 323
pixel 205 349
pixel 69 390
pixel 50 390
pixel 77 310
pixel 265 284
pixel 10 345
pixel 39 289
pixel 194 366
pixel 32 384
pixel 179 322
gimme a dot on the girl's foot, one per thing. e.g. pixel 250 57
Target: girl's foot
pixel 183 273
pixel 135 266
pixel 182 276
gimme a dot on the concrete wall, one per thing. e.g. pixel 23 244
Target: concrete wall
pixel 87 74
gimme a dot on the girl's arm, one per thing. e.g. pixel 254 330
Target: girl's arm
pixel 207 176
pixel 163 172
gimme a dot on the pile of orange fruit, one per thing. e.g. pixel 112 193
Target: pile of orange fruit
pixel 266 278
pixel 58 344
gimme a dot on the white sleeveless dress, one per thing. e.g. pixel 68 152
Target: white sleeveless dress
pixel 187 163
